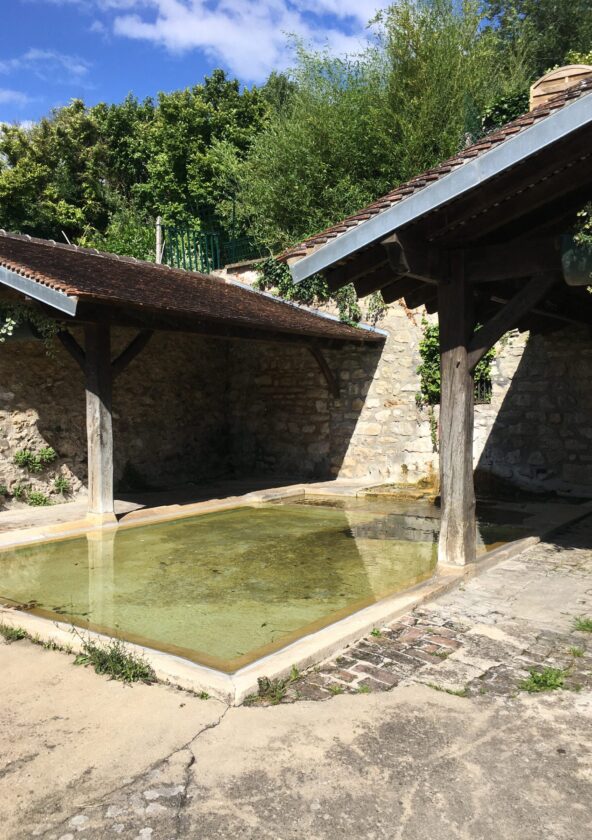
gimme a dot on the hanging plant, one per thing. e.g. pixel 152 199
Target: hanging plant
pixel 275 276
pixel 14 315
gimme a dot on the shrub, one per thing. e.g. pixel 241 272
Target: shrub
pixel 61 485
pixel 37 499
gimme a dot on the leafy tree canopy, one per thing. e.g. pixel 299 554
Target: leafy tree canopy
pixel 286 159
pixel 354 128
pixel 81 169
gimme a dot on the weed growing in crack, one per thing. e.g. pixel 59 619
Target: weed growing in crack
pixel 576 651
pixel 115 660
pixel 13 634
pixel 376 633
pixel 335 689
pixel 363 688
pixel 549 679
pixel 583 623
pixel 272 691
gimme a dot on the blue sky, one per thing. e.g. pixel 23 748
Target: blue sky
pixel 100 50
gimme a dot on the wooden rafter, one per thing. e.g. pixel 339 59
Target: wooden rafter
pixel 135 347
pixel 364 264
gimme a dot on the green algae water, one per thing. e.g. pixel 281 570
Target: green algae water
pixel 225 588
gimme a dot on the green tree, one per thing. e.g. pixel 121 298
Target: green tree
pixel 546 29
pixel 352 129
pixel 79 169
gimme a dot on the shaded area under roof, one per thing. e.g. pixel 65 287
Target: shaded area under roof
pixel 85 285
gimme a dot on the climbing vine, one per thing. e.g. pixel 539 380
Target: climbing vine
pixel 429 369
pixel 13 315
pixel 275 276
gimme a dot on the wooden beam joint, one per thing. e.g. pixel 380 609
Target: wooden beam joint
pixel 329 376
pixel 135 347
pixel 70 344
pixel 412 257
pixel 509 316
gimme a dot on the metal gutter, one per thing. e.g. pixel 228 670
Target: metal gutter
pixel 38 291
pixel 466 177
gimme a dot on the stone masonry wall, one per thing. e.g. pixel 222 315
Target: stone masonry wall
pixel 284 418
pixel 168 411
pixel 190 408
pixel 537 433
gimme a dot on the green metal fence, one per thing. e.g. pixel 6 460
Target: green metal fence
pixel 241 249
pixel 199 250
pixel 190 249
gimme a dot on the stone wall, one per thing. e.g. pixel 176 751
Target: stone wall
pixel 535 433
pixel 284 419
pixel 190 408
pixel 168 412
pixel 538 431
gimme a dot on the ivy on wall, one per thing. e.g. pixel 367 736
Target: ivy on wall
pixel 275 276
pixel 14 315
pixel 429 369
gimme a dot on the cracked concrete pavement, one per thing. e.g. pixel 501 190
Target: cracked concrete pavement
pixel 83 757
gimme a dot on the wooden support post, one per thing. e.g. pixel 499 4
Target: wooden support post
pixel 458 532
pixel 99 428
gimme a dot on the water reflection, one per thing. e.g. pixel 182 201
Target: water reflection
pixel 224 587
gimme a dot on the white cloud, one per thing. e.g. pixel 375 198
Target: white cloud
pixel 246 36
pixel 13 97
pixel 48 65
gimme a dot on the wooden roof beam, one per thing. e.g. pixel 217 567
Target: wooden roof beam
pixel 413 257
pixel 507 318
pixel 401 287
pixel 346 273
pixel 489 263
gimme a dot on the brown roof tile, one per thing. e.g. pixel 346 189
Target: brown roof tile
pixel 94 277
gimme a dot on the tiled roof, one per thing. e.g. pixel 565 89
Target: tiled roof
pixel 416 184
pixel 94 277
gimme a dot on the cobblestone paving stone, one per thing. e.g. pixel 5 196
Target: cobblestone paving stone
pixel 449 645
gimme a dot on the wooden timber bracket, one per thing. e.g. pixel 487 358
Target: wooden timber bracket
pixel 412 257
pixel 507 318
pixel 120 363
pixel 330 378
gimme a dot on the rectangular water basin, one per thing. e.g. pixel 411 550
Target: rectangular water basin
pixel 224 589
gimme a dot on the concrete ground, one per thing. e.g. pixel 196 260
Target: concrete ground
pixel 442 741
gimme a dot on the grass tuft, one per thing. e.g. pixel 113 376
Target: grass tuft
pixel 13 634
pixel 576 651
pixel 115 660
pixel 456 692
pixel 583 623
pixel 37 499
pixel 549 679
